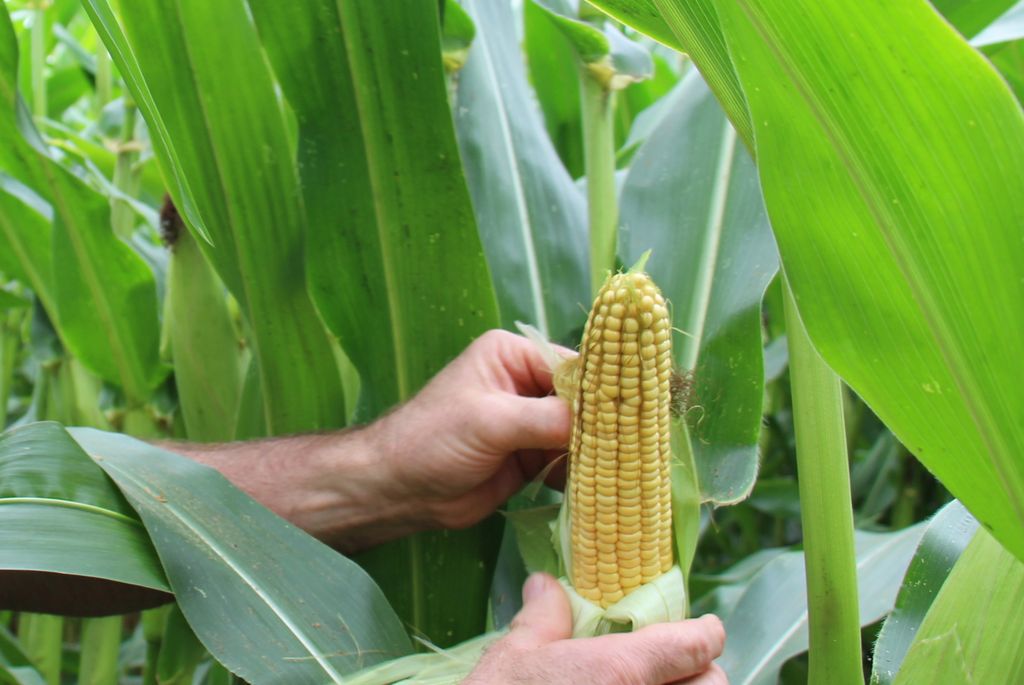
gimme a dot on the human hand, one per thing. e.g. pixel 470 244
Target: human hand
pixel 538 650
pixel 481 429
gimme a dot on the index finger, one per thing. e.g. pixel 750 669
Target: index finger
pixel 521 363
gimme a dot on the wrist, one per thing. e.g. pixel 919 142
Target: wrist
pixel 358 500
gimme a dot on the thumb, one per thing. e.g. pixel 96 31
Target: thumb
pixel 534 423
pixel 546 615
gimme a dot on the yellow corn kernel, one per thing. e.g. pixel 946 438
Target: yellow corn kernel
pixel 619 482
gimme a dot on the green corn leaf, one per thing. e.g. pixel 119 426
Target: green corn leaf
pixel 948 534
pixel 395 263
pixel 713 256
pixel 691 27
pixel 104 294
pixel 768 623
pixel 226 556
pixel 61 515
pixel 532 218
pixel 902 290
pixel 556 82
pixel 972 632
pixel 208 361
pixel 192 68
pixel 25 226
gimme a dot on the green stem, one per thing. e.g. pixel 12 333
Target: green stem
pixel 139 423
pixel 87 388
pixel 38 46
pixel 910 493
pixel 826 510
pixel 104 80
pixel 598 105
pixel 58 405
pixel 9 327
pixel 149 669
pixel 42 636
pixel 101 646
pixel 126 177
pixel 154 621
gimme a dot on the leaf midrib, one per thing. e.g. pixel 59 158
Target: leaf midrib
pixel 370 133
pixel 72 504
pixel 203 535
pixel 522 208
pixel 700 302
pixel 981 418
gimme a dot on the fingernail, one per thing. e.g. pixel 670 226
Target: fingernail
pixel 534 587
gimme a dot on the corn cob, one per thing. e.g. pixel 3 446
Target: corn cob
pixel 619 486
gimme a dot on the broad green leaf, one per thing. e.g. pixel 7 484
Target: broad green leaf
pixel 555 79
pixel 713 256
pixel 227 557
pixel 104 293
pixel 385 249
pixel 531 216
pixel 114 39
pixel 25 227
pixel 973 632
pixel 768 624
pixel 945 539
pixel 208 363
pixel 100 280
pixel 691 27
pixel 903 248
pixel 198 74
pixel 971 16
pixel 62 515
pixel 395 263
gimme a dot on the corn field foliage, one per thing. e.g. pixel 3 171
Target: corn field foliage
pixel 243 218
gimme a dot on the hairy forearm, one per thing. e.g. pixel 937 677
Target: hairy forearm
pixel 335 486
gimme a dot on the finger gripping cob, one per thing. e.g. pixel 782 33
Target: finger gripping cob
pixel 619 486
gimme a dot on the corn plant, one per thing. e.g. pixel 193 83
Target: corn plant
pixel 238 219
